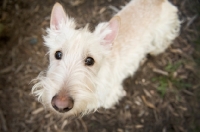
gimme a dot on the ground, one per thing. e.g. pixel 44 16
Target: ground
pixel 163 96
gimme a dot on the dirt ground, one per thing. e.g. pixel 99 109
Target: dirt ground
pixel 163 96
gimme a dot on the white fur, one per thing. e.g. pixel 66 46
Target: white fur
pixel 147 26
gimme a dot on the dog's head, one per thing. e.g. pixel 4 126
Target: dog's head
pixel 69 86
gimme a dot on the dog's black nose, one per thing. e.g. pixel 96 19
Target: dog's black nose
pixel 62 103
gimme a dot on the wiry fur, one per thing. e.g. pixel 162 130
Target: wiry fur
pixel 147 26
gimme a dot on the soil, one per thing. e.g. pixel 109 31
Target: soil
pixel 163 96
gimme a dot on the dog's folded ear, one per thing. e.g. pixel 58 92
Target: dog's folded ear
pixel 114 25
pixel 58 15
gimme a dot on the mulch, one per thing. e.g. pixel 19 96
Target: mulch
pixel 163 96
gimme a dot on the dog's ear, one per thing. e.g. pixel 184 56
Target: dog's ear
pixel 57 16
pixel 114 25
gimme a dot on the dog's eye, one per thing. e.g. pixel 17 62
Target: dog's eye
pixel 89 61
pixel 58 55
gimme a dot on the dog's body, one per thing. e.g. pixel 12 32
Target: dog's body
pixel 87 69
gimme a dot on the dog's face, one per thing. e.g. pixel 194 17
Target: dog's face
pixel 76 57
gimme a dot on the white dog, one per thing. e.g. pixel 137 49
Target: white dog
pixel 87 69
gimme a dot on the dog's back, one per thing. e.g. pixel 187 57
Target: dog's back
pixel 147 26
pixel 146 18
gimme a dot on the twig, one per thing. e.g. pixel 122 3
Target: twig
pixel 188 92
pixel 114 8
pixel 150 105
pixel 191 20
pixel 35 112
pixel 84 125
pixel 160 72
pixel 3 122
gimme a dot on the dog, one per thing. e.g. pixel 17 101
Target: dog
pixel 87 68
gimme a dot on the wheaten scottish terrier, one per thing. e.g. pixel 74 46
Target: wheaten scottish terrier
pixel 87 69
